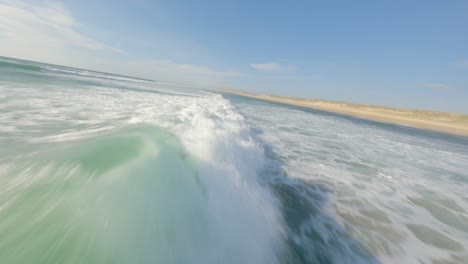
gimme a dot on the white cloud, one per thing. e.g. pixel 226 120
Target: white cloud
pixel 170 71
pixel 436 86
pixel 45 32
pixel 48 32
pixel 268 67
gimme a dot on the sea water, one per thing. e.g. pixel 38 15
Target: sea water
pixel 102 168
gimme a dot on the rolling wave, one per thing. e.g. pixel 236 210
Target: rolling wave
pixel 99 169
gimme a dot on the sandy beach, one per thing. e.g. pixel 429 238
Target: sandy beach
pixel 451 123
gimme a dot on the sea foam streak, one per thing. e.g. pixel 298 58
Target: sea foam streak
pixel 108 169
pixel 136 196
pixel 97 175
pixel 400 193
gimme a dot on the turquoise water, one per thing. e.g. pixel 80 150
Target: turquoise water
pixel 100 168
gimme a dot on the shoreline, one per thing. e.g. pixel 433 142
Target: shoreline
pixel 451 123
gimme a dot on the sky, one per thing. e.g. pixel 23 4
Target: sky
pixel 410 53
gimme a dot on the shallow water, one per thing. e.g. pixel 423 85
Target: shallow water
pixel 98 168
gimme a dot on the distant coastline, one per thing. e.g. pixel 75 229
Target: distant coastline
pixel 451 123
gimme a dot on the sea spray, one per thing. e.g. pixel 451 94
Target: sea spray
pixel 112 169
pixel 119 176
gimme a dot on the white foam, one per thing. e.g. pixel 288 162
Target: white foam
pixel 245 218
pixel 371 173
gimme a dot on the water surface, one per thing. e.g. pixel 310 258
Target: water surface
pixel 100 168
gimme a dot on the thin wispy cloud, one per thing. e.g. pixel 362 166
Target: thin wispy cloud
pixel 187 74
pixel 436 86
pixel 48 31
pixel 268 67
pixel 48 25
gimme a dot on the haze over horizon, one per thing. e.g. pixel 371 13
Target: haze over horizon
pixel 396 53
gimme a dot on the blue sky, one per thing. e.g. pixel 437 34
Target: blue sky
pixel 396 53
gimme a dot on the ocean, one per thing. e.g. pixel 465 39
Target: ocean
pixel 103 168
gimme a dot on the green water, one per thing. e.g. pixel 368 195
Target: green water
pixel 110 182
pixel 102 168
